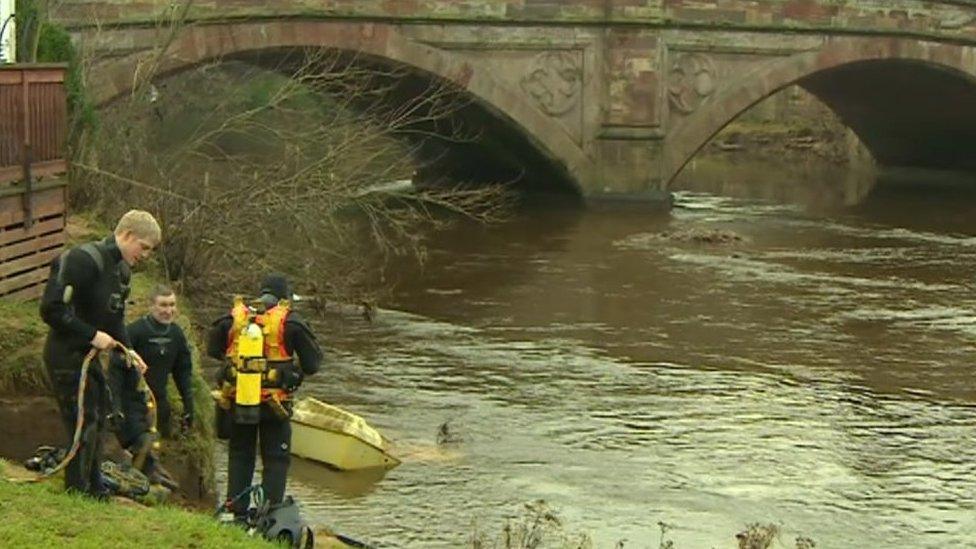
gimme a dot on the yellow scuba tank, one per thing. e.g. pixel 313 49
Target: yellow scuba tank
pixel 250 365
pixel 247 355
pixel 255 352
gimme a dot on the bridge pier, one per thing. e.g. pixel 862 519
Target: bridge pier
pixel 627 170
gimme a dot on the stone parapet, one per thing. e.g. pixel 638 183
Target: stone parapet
pixel 935 19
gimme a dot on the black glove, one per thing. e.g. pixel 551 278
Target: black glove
pixel 291 378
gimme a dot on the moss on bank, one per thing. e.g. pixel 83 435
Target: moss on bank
pixel 42 515
pixel 21 370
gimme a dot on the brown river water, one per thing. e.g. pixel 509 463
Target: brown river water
pixel 817 375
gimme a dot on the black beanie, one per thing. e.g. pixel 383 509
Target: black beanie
pixel 277 285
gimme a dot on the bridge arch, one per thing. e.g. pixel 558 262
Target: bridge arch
pixel 200 44
pixel 920 111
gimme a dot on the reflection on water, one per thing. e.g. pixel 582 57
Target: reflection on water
pixel 817 374
pixel 318 477
pixel 815 183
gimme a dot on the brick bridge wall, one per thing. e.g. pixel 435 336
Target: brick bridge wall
pixel 618 94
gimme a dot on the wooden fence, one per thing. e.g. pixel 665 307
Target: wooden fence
pixel 33 199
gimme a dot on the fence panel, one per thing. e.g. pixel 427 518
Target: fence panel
pixel 33 200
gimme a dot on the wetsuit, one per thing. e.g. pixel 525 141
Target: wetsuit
pixel 165 350
pixel 84 295
pixel 275 432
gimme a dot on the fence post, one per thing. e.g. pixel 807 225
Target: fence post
pixel 26 153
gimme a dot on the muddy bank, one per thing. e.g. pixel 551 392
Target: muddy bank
pixel 29 422
pixel 26 423
pixel 828 143
pixel 790 125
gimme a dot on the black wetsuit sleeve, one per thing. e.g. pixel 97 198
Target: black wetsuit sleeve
pixel 183 371
pixel 81 273
pixel 217 338
pixel 302 343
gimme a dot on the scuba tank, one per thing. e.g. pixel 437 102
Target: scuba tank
pixel 256 359
pixel 249 365
pixel 45 458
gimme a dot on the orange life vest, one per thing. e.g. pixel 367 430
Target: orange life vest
pixel 272 324
pixel 273 353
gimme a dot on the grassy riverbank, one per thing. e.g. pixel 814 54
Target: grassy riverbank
pixel 22 373
pixel 42 515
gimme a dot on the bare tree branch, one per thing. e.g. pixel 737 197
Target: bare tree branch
pixel 289 169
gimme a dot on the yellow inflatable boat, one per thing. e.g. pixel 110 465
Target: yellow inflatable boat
pixel 331 435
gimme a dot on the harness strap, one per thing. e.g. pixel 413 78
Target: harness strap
pixel 89 248
pixel 276 393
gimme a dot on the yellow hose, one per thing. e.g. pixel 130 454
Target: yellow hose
pixel 80 419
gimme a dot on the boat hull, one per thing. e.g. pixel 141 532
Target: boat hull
pixel 337 449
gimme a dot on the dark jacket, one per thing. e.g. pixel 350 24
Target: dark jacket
pixel 98 295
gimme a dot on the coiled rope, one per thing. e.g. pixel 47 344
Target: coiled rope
pixel 80 418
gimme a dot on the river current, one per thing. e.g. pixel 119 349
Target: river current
pixel 814 372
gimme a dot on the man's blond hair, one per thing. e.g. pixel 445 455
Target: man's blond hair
pixel 141 224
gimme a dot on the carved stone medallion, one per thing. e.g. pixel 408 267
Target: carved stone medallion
pixel 554 82
pixel 692 80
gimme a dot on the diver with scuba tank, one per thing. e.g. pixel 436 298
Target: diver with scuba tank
pixel 84 306
pixel 259 345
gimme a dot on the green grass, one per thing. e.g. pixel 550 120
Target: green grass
pixel 21 345
pixel 41 515
pixel 85 227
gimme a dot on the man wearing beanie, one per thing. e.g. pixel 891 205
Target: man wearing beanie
pixel 285 338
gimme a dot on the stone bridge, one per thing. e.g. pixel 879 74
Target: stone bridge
pixel 612 97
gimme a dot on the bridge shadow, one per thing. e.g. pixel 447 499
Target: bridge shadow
pixel 902 197
pixel 454 137
pixel 911 104
pixel 907 113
